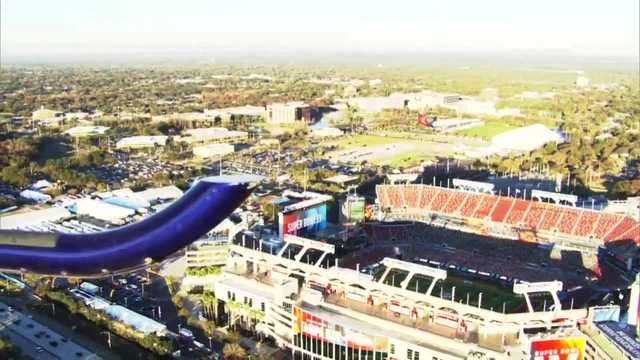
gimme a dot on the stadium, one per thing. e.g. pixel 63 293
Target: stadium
pixel 509 239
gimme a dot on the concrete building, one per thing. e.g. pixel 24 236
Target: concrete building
pixel 429 99
pixel 141 142
pixel 288 113
pixel 214 249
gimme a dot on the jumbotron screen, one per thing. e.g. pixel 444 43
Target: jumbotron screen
pixel 303 222
pixel 558 349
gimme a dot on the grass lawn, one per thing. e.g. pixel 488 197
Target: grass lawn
pixel 487 131
pixel 493 295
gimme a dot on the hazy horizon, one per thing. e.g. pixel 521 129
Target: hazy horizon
pixel 544 32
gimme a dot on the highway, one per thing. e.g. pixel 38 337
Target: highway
pixel 37 340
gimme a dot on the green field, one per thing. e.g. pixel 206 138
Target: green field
pixel 487 131
pixel 493 295
pixel 357 141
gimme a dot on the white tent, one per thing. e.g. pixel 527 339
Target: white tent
pixel 525 139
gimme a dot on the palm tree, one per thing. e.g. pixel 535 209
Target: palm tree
pixel 231 308
pixel 210 304
pixel 233 351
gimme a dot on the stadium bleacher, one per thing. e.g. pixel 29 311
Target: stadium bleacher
pixel 502 209
pixel 518 211
pixel 565 220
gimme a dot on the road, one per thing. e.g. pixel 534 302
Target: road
pixel 37 340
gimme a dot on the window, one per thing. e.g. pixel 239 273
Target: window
pixel 262 306
pixel 246 301
pixel 228 295
pixel 409 354
pixel 416 356
pixel 392 349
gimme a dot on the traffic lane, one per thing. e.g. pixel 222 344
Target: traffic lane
pixel 27 347
pixel 42 336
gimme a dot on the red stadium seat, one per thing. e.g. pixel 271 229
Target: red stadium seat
pixel 550 218
pixel 586 223
pixel 455 201
pixel 412 196
pixel 426 196
pixel 518 211
pixel 605 224
pixel 470 204
pixel 486 206
pixel 568 220
pixel 502 209
pixel 621 232
pixel 440 200
pixel 395 196
pixel 535 215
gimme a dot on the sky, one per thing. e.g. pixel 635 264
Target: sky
pixel 42 28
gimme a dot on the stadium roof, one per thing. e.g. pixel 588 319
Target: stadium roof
pixel 161 193
pixel 341 179
pixel 526 138
pixel 33 217
pixel 101 210
pixel 86 130
pixel 141 141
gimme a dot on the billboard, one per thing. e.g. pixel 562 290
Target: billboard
pixel 312 326
pixel 558 349
pixel 303 222
pixel 352 209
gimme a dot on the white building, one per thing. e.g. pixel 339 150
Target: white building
pixel 213 150
pixel 141 142
pixel 429 99
pixel 583 82
pixel 287 113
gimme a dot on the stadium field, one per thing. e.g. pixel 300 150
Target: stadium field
pixel 487 131
pixel 493 295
